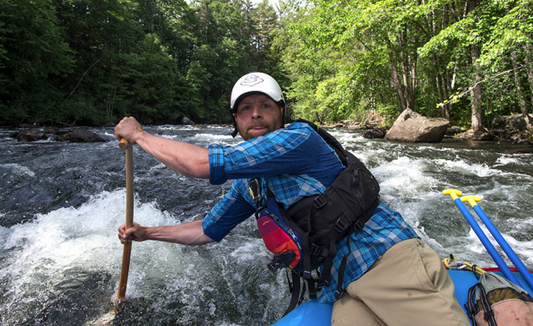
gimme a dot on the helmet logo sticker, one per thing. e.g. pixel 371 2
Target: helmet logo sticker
pixel 252 80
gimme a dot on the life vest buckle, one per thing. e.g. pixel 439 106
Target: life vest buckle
pixel 341 224
pixel 320 201
pixel 281 260
pixel 315 250
pixel 254 188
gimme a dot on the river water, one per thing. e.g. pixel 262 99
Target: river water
pixel 61 204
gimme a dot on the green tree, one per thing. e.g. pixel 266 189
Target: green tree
pixel 265 20
pixel 476 39
pixel 367 54
pixel 126 63
pixel 511 37
pixel 391 30
pixel 147 82
pixel 410 54
pixel 94 61
pixel 227 46
pixel 102 33
pixel 33 55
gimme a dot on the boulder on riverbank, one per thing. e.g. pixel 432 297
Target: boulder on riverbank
pixel 375 133
pixel 452 131
pixel 479 135
pixel 73 136
pixel 413 127
pixel 187 121
pixel 30 135
pixel 82 136
pixel 515 122
pixel 512 129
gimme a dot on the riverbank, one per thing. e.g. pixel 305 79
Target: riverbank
pixel 506 129
pixel 520 141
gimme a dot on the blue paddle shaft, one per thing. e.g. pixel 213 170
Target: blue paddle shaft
pixel 486 242
pixel 522 269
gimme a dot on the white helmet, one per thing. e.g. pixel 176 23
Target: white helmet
pixel 253 83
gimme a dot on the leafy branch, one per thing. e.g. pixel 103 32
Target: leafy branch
pixel 455 97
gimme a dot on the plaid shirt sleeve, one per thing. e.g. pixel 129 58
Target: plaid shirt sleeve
pixel 236 206
pixel 261 156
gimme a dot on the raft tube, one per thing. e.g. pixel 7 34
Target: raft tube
pixel 317 312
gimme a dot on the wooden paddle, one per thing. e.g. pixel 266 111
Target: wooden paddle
pixel 124 144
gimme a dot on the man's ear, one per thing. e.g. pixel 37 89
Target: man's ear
pixel 234 116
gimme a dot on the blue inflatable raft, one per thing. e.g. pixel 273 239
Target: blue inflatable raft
pixel 318 312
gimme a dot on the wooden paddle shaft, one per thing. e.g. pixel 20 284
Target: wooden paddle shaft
pixel 124 144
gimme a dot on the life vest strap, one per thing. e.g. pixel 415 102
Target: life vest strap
pixel 297 296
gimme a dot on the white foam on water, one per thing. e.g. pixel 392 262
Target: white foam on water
pixel 85 238
pixel 18 170
pixel 41 255
pixel 412 185
pixel 37 253
pixel 253 249
pixel 173 127
pixel 213 137
pixel 508 159
pixel 462 167
pixel 475 252
pixel 521 248
pixel 405 177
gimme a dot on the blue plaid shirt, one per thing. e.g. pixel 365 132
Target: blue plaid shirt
pixel 295 162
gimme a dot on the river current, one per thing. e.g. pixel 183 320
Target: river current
pixel 61 204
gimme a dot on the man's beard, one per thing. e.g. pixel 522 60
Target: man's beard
pixel 247 133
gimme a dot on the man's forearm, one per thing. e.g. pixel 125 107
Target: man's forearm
pixel 186 234
pixel 186 159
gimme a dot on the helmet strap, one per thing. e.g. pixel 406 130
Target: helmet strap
pixel 235 131
pixel 281 105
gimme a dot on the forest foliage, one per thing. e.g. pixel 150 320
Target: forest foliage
pixel 89 62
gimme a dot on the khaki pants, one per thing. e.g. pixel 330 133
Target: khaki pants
pixel 407 286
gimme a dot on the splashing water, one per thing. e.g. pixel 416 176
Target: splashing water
pixel 61 205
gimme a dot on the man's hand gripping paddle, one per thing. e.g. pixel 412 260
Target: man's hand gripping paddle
pixel 124 144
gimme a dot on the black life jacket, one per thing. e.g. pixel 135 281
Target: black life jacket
pixel 305 236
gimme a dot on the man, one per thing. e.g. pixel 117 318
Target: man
pixel 392 277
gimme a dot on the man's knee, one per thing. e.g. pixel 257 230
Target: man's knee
pixel 348 311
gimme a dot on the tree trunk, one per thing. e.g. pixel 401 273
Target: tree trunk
pixel 412 85
pixel 529 67
pixel 529 72
pixel 397 83
pixel 446 110
pixel 442 90
pixel 406 82
pixel 518 87
pixel 475 90
pixel 521 96
pixel 409 61
pixel 476 94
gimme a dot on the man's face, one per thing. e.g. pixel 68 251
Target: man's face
pixel 257 115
